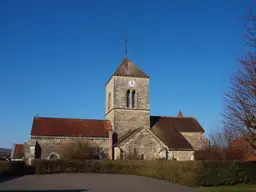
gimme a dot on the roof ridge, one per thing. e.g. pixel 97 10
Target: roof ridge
pixel 68 127
pixel 172 116
pixel 70 118
pixel 127 135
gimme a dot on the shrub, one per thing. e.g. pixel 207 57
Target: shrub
pixel 14 168
pixel 81 150
pixel 4 166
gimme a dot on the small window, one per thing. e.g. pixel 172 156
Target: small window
pixel 133 98
pixel 128 98
pixel 121 155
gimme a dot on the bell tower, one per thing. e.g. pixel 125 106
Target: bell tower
pixel 127 98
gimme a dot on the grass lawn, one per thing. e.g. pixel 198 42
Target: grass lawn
pixel 234 188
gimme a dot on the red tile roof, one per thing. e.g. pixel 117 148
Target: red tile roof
pixel 251 158
pixel 45 126
pixel 18 151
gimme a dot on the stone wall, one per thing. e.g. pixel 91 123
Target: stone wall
pixel 121 85
pixel 29 152
pixel 49 145
pixel 117 153
pixel 145 145
pixel 126 120
pixel 196 139
pixel 109 104
pixel 110 116
pixel 181 155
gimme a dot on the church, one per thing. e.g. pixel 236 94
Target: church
pixel 127 127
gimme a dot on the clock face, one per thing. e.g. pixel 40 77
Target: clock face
pixel 132 83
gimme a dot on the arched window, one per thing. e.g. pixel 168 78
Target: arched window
pixel 133 98
pixel 128 98
pixel 53 157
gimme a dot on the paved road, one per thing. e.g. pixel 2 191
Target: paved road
pixel 91 183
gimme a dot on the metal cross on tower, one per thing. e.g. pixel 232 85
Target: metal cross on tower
pixel 126 40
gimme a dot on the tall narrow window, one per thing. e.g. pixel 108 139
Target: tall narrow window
pixel 133 98
pixel 128 98
pixel 109 101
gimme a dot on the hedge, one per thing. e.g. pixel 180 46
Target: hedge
pixel 191 173
pixel 226 173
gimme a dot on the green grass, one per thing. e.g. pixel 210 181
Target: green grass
pixel 234 188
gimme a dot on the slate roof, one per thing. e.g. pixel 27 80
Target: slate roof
pixel 18 151
pixel 128 68
pixel 168 130
pixel 45 126
pixel 182 124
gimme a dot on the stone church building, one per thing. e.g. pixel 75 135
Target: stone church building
pixel 127 127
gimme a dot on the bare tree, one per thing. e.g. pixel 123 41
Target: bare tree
pixel 240 101
pixel 221 147
pixel 219 137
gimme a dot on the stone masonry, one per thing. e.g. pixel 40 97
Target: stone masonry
pixel 196 139
pixel 145 145
pixel 55 145
pixel 181 155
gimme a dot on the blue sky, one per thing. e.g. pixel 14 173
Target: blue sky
pixel 56 56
